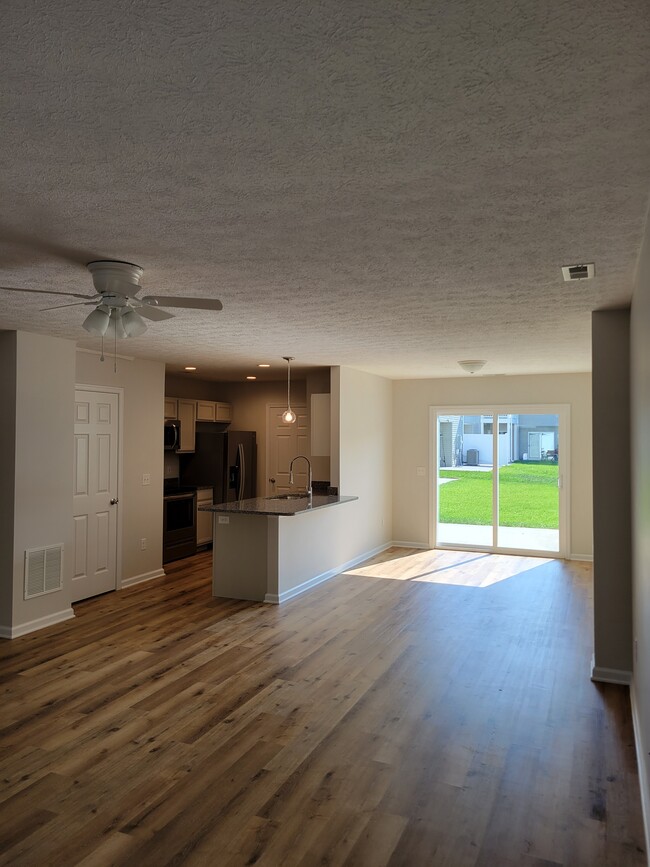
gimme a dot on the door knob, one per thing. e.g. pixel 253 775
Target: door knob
pixel 114 501
pixel 272 481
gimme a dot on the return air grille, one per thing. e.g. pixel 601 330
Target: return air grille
pixel 578 272
pixel 43 570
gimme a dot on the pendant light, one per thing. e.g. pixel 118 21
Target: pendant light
pixel 288 416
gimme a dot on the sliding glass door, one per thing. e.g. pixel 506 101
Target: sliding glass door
pixel 499 478
pixel 465 484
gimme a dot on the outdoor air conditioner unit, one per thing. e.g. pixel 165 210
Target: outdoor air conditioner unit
pixel 472 457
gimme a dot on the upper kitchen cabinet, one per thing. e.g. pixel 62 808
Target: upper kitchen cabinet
pixel 171 407
pixel 210 410
pixel 187 418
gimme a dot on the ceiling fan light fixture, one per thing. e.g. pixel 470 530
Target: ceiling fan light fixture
pixel 288 416
pixel 97 322
pixel 134 324
pixel 472 366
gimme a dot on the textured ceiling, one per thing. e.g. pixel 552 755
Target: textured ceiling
pixel 390 186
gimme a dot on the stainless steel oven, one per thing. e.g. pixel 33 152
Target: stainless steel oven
pixel 179 524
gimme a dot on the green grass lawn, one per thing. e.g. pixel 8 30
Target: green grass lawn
pixel 528 496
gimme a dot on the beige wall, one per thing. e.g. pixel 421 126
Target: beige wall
pixel 318 382
pixel 412 399
pixel 612 492
pixel 640 330
pixel 143 411
pixel 42 412
pixel 364 419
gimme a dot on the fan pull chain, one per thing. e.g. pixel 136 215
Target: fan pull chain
pixel 101 357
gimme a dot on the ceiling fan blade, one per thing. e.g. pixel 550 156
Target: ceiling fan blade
pixel 49 292
pixel 74 304
pixel 180 301
pixel 156 314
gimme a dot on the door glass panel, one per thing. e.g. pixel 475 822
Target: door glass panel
pixel 464 479
pixel 528 482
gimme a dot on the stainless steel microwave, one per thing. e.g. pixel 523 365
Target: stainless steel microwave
pixel 172 434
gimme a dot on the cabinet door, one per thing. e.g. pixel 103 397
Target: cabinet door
pixel 187 418
pixel 204 519
pixel 206 410
pixel 223 412
pixel 171 407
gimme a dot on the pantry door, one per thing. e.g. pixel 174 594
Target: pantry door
pixel 284 442
pixel 95 492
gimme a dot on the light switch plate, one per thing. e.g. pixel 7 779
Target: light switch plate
pixel 224 519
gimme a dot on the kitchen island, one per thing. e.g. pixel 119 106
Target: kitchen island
pixel 269 549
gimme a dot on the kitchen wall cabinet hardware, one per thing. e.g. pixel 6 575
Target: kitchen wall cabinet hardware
pixel 320 425
pixel 171 407
pixel 187 418
pixel 204 497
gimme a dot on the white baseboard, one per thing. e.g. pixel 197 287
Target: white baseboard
pixel 610 675
pixel 421 545
pixel 276 599
pixel 38 623
pixel 641 752
pixel 145 576
pixel 588 558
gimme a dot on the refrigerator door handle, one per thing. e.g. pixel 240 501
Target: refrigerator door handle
pixel 242 471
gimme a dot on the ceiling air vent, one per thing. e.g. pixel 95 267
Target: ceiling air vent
pixel 578 272
pixel 43 570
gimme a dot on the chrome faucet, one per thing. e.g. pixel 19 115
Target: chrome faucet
pixel 305 458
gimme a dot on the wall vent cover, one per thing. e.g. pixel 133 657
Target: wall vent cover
pixel 578 272
pixel 43 570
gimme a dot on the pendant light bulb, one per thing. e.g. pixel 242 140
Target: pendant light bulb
pixel 288 416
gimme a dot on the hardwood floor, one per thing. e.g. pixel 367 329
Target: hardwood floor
pixel 428 708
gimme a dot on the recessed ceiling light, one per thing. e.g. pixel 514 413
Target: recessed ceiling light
pixel 190 368
pixel 251 377
pixel 263 365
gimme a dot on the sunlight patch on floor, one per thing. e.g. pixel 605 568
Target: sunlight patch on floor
pixel 458 568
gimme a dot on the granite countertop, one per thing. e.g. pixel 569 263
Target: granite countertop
pixel 271 506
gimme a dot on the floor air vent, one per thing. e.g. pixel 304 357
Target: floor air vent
pixel 43 570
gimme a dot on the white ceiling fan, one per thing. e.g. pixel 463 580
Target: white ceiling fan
pixel 119 311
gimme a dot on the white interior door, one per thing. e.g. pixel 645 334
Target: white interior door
pixel 284 442
pixel 95 487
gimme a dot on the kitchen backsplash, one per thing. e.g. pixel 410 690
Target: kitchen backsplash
pixel 171 465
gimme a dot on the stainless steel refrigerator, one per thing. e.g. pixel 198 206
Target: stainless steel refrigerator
pixel 225 460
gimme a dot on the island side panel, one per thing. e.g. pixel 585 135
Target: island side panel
pixel 240 557
pixel 309 546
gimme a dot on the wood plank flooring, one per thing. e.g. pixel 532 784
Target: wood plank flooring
pixel 427 708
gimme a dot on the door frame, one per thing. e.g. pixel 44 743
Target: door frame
pixel 563 411
pixel 109 389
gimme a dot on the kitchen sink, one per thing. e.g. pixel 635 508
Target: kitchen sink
pixel 288 497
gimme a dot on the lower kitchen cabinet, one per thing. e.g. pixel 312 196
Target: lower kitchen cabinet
pixel 204 519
